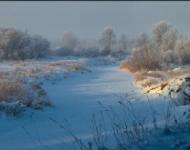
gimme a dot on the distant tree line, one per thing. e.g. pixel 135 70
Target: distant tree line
pixel 165 46
pixel 19 45
pixel 16 44
pixel 108 44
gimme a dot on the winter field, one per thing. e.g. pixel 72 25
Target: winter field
pixel 94 76
pixel 85 103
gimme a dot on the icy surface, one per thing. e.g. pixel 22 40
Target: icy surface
pixel 75 98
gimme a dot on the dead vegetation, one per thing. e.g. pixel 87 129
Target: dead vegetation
pixel 158 82
pixel 9 89
pixel 164 49
pixel 20 87
pixel 155 58
pixel 68 66
pixel 126 131
pixel 15 96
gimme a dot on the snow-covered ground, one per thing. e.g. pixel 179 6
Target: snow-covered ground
pixel 75 98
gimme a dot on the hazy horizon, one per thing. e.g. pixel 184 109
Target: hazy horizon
pixel 87 19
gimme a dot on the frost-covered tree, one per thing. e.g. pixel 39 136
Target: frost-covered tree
pixel 159 29
pixel 69 43
pixel 182 50
pixel 169 39
pixel 142 40
pixel 70 40
pixel 165 37
pixel 12 41
pixel 122 47
pixel 107 41
pixel 165 48
pixel 39 46
pixel 123 43
pixel 15 44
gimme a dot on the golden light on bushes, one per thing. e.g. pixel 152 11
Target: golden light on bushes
pixel 127 68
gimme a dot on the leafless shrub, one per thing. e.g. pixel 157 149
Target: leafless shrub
pixel 157 52
pixel 182 50
pixel 69 66
pixel 9 89
pixel 15 96
pixel 169 57
pixel 145 57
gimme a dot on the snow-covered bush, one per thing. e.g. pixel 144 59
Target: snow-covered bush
pixel 182 50
pixel 145 56
pixel 16 94
pixel 9 88
pixel 15 44
pixel 68 66
pixel 169 57
pixel 159 51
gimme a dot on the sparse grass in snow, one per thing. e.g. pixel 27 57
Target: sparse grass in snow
pixel 19 87
pixel 122 131
pixel 15 96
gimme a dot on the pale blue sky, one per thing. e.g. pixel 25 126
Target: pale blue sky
pixel 87 19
